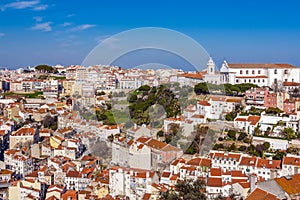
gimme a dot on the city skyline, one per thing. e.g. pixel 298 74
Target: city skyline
pixel 52 32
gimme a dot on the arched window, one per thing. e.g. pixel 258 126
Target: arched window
pixel 253 72
pixel 241 71
pixel 275 71
pixel 247 72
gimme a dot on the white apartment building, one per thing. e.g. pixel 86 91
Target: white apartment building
pixel 129 182
pixel 17 162
pixel 290 165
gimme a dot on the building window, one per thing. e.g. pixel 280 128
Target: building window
pixel 237 80
pixel 258 80
pixel 275 71
pixel 286 71
pixel 245 80
pixel 253 72
pixel 249 80
pixel 292 80
pixel 254 81
pixel 263 80
pixel 285 80
pixel 258 71
pixel 241 71
pixel 247 72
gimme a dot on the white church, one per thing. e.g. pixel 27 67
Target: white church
pixel 260 74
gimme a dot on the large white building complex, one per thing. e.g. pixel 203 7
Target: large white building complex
pixel 260 74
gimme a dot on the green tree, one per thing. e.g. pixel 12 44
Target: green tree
pixel 44 68
pixel 232 147
pixel 201 88
pixel 247 140
pixel 289 133
pixel 279 155
pixel 160 133
pixel 266 145
pixel 231 134
pixel 186 189
pixel 242 136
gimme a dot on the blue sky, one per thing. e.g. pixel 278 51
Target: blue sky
pixel 64 31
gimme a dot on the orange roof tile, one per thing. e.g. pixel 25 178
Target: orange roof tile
pixel 291 160
pixel 204 103
pixel 258 65
pixel 259 194
pixel 290 185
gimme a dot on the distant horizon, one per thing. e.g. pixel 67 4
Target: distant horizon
pixel 153 67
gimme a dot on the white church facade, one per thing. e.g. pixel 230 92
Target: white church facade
pixel 260 74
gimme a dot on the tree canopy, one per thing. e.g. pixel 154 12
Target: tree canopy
pixel 45 68
pixel 186 189
pixel 228 89
pixel 144 97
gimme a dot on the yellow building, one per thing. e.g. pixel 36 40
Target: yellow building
pixel 24 189
pixel 68 86
pixel 102 191
pixel 55 141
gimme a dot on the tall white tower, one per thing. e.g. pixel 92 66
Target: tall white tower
pixel 211 66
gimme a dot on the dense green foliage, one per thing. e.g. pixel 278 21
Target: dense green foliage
pixel 289 133
pixel 242 136
pixel 252 111
pixel 186 189
pixel 273 111
pixel 144 97
pixel 37 94
pixel 106 116
pixel 228 89
pixel 44 68
pixel 231 134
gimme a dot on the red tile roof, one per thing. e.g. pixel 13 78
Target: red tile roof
pixel 290 185
pixel 257 65
pixel 204 103
pixel 259 194
pixel 291 161
pixel 271 164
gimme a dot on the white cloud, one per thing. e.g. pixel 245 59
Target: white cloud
pixel 66 24
pixel 20 5
pixel 82 27
pixel 38 19
pixel 45 27
pixel 2 35
pixel 40 7
pixel 34 5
